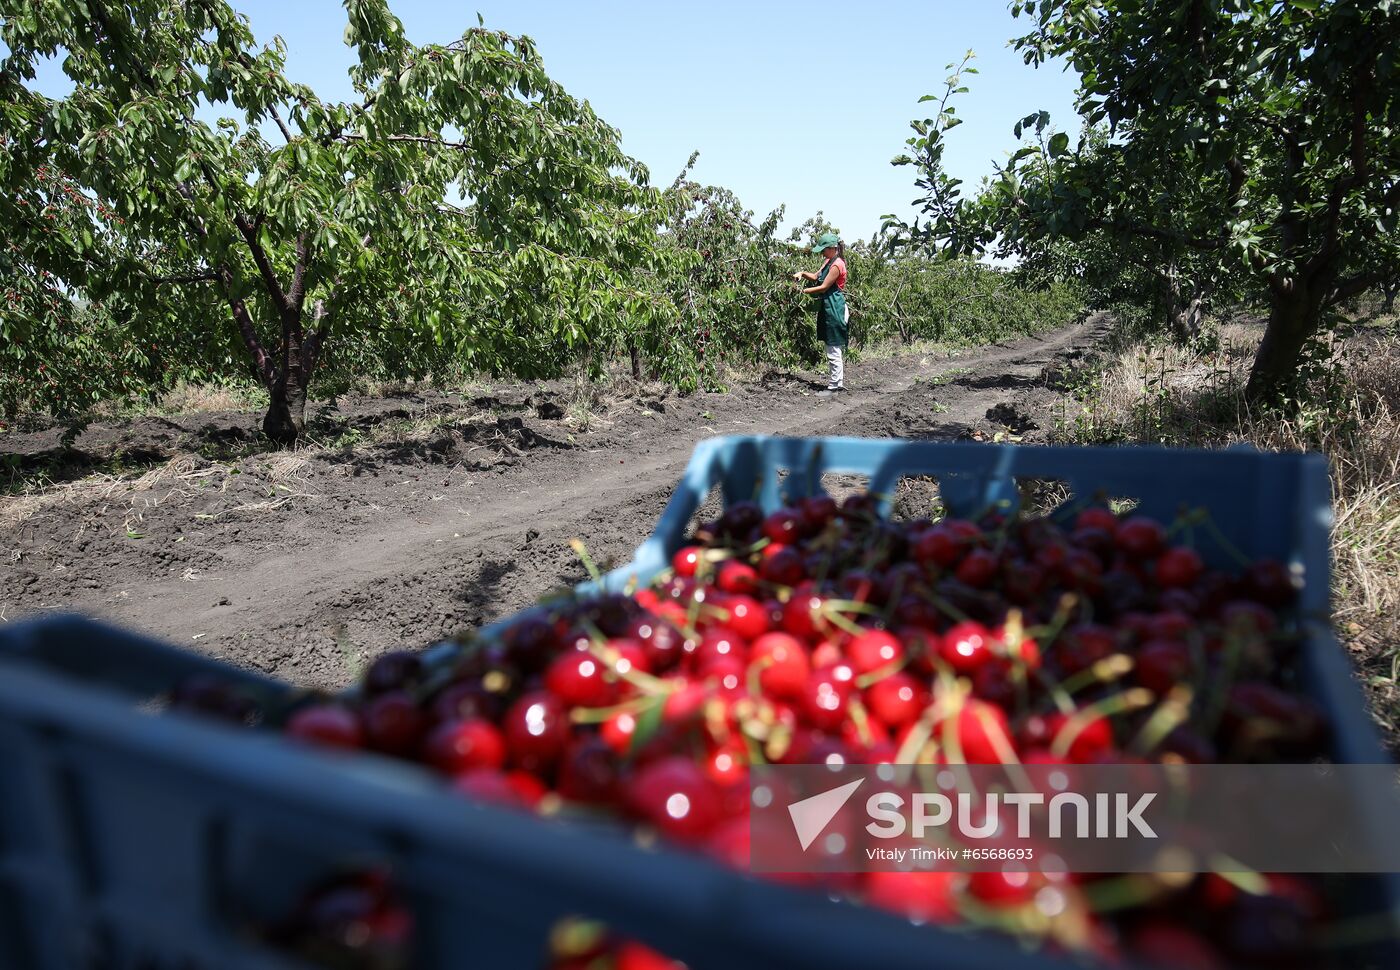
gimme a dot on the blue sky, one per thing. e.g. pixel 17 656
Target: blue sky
pixel 796 103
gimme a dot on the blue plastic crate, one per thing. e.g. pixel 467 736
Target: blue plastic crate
pixel 128 840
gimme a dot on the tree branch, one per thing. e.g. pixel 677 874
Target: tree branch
pixel 1353 285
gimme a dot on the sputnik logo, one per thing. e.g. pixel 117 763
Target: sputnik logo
pixel 811 815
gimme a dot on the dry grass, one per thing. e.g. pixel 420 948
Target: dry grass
pixel 1150 391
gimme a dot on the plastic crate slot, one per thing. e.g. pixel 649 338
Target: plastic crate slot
pixel 1043 496
pixel 917 496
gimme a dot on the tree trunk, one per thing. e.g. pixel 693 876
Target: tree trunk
pixel 636 361
pixel 1294 316
pixel 1389 290
pixel 286 413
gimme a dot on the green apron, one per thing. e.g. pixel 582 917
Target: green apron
pixel 831 312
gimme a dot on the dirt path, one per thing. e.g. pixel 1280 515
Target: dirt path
pixel 302 564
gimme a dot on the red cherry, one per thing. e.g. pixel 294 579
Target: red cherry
pixel 718 641
pixel 1093 739
pixel 896 700
pixel 783 568
pixel 1269 582
pixel 747 617
pixel 536 729
pixel 394 723
pixel 784 525
pixel 461 746
pixel 982 733
pixel 816 512
pixel 926 897
pixel 938 546
pixel 729 843
pixel 674 795
pixel 728 763
pixel 576 677
pixel 1140 537
pixel 966 646
pixel 978 568
pixel 826 696
pixel 1162 664
pixel 1026 649
pixel 802 614
pixel 686 561
pixel 660 636
pixel 634 956
pixel 684 700
pixel 589 772
pixel 1178 567
pixel 874 649
pixel 1097 518
pixel 736 577
pixel 1012 887
pixel 783 665
pixel 330 725
pixel 617 732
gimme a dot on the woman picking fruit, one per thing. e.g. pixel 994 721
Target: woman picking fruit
pixel 830 292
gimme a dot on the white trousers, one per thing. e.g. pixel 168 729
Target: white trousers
pixel 835 366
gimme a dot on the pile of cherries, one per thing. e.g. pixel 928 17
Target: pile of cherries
pixel 823 633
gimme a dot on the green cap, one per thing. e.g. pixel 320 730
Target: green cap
pixel 824 240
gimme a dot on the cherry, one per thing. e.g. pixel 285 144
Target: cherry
pixel 716 642
pixel 965 646
pixel 634 956
pixel 1083 646
pixel 1140 537
pixel 978 568
pixel 1269 582
pixel 391 671
pixel 577 678
pixel 660 637
pixel 686 561
pixel 825 697
pixel 530 643
pixel 785 526
pixel 938 546
pixel 617 731
pixel 457 747
pixel 536 729
pixel 1244 618
pixel 726 673
pixel 204 694
pixel 896 700
pixel 783 665
pixel 684 701
pixel 674 795
pixel 1097 518
pixel 982 732
pixel 588 772
pixel 783 568
pixel 728 764
pixel 465 699
pixel 1162 664
pixel 1179 567
pixel 394 723
pixel 1094 737
pixel 874 649
pixel 736 577
pixel 729 843
pixel 925 897
pixel 331 725
pixel 802 614
pixel 1011 887
pixel 817 511
pixel 747 617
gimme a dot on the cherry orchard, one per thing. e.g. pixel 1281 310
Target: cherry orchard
pixel 463 199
